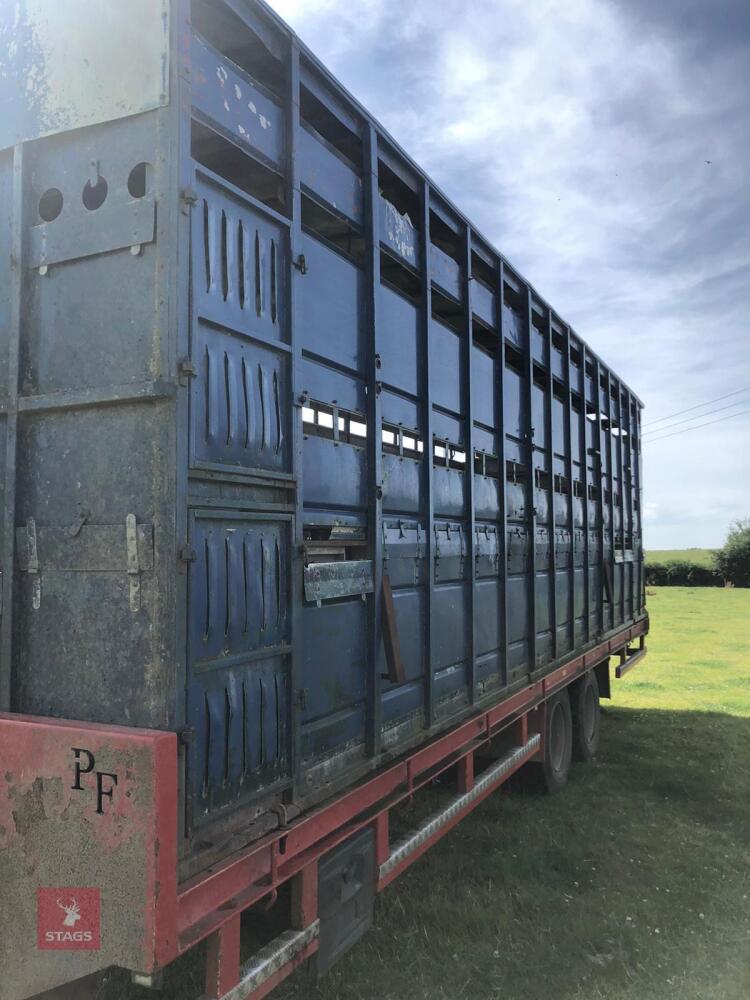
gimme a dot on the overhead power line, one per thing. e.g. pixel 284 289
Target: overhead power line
pixel 695 428
pixel 699 416
pixel 698 406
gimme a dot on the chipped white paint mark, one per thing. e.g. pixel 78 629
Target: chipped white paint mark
pixel 253 108
pixel 400 232
pixel 243 131
pixel 226 105
pixel 237 92
pixel 221 75
pixel 264 122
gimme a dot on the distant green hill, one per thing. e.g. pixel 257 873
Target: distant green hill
pixel 700 556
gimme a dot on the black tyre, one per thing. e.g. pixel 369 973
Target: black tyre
pixel 550 775
pixel 584 705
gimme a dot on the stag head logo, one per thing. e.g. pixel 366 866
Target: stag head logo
pixel 72 912
pixel 68 918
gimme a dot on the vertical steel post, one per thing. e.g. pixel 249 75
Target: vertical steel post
pixel 374 441
pixel 639 488
pixel 611 488
pixel 531 484
pixel 549 459
pixel 583 438
pixel 7 553
pixel 621 499
pixel 628 502
pixel 181 168
pixel 294 201
pixel 429 446
pixel 469 474
pixel 568 445
pixel 600 485
pixel 502 476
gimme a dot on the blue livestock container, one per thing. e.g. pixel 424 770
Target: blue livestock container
pixel 293 462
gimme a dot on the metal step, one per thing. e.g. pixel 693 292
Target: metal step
pixel 269 960
pixel 493 775
pixel 629 662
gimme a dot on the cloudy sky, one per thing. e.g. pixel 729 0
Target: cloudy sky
pixel 604 147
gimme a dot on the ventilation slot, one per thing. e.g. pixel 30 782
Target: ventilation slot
pixel 274 307
pixel 247 398
pixel 207 748
pixel 234 165
pixel 332 229
pixel 227 591
pixel 245 582
pixel 228 398
pixel 262 722
pixel 277 405
pixel 250 48
pixel 258 276
pixel 486 465
pixel 277 577
pixel 241 262
pixel 207 557
pixel 227 733
pixel 226 285
pixel 207 245
pixel 326 126
pixel 263 574
pixel 244 730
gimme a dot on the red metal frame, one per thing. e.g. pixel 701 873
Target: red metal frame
pixel 292 853
pixel 209 905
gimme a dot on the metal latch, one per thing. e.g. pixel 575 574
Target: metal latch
pixel 33 565
pixel 134 569
pixel 186 370
pixel 188 198
pixel 187 554
pixel 301 264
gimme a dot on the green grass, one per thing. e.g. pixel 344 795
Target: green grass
pixel 704 557
pixel 633 884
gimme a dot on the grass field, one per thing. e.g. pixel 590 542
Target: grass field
pixel 633 884
pixel 704 557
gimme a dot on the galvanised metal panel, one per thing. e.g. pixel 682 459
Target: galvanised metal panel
pixel 66 66
pixel 247 336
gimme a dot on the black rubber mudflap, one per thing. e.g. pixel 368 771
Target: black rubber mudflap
pixel 346 895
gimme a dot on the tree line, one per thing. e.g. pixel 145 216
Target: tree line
pixel 731 565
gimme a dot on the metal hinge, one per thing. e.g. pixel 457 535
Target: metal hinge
pixel 185 736
pixel 188 197
pixel 186 554
pixel 33 565
pixel 186 370
pixel 134 568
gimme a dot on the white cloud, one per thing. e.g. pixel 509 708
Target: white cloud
pixel 576 138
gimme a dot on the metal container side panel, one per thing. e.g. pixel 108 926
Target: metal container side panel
pixel 95 602
pixel 65 65
pixel 495 575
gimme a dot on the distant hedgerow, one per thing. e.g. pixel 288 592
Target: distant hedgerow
pixel 682 573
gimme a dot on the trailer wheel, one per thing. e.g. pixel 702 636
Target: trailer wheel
pixel 550 775
pixel 558 742
pixel 584 699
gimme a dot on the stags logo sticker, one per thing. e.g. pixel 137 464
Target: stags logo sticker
pixel 68 919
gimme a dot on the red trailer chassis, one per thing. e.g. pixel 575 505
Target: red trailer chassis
pixel 88 843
